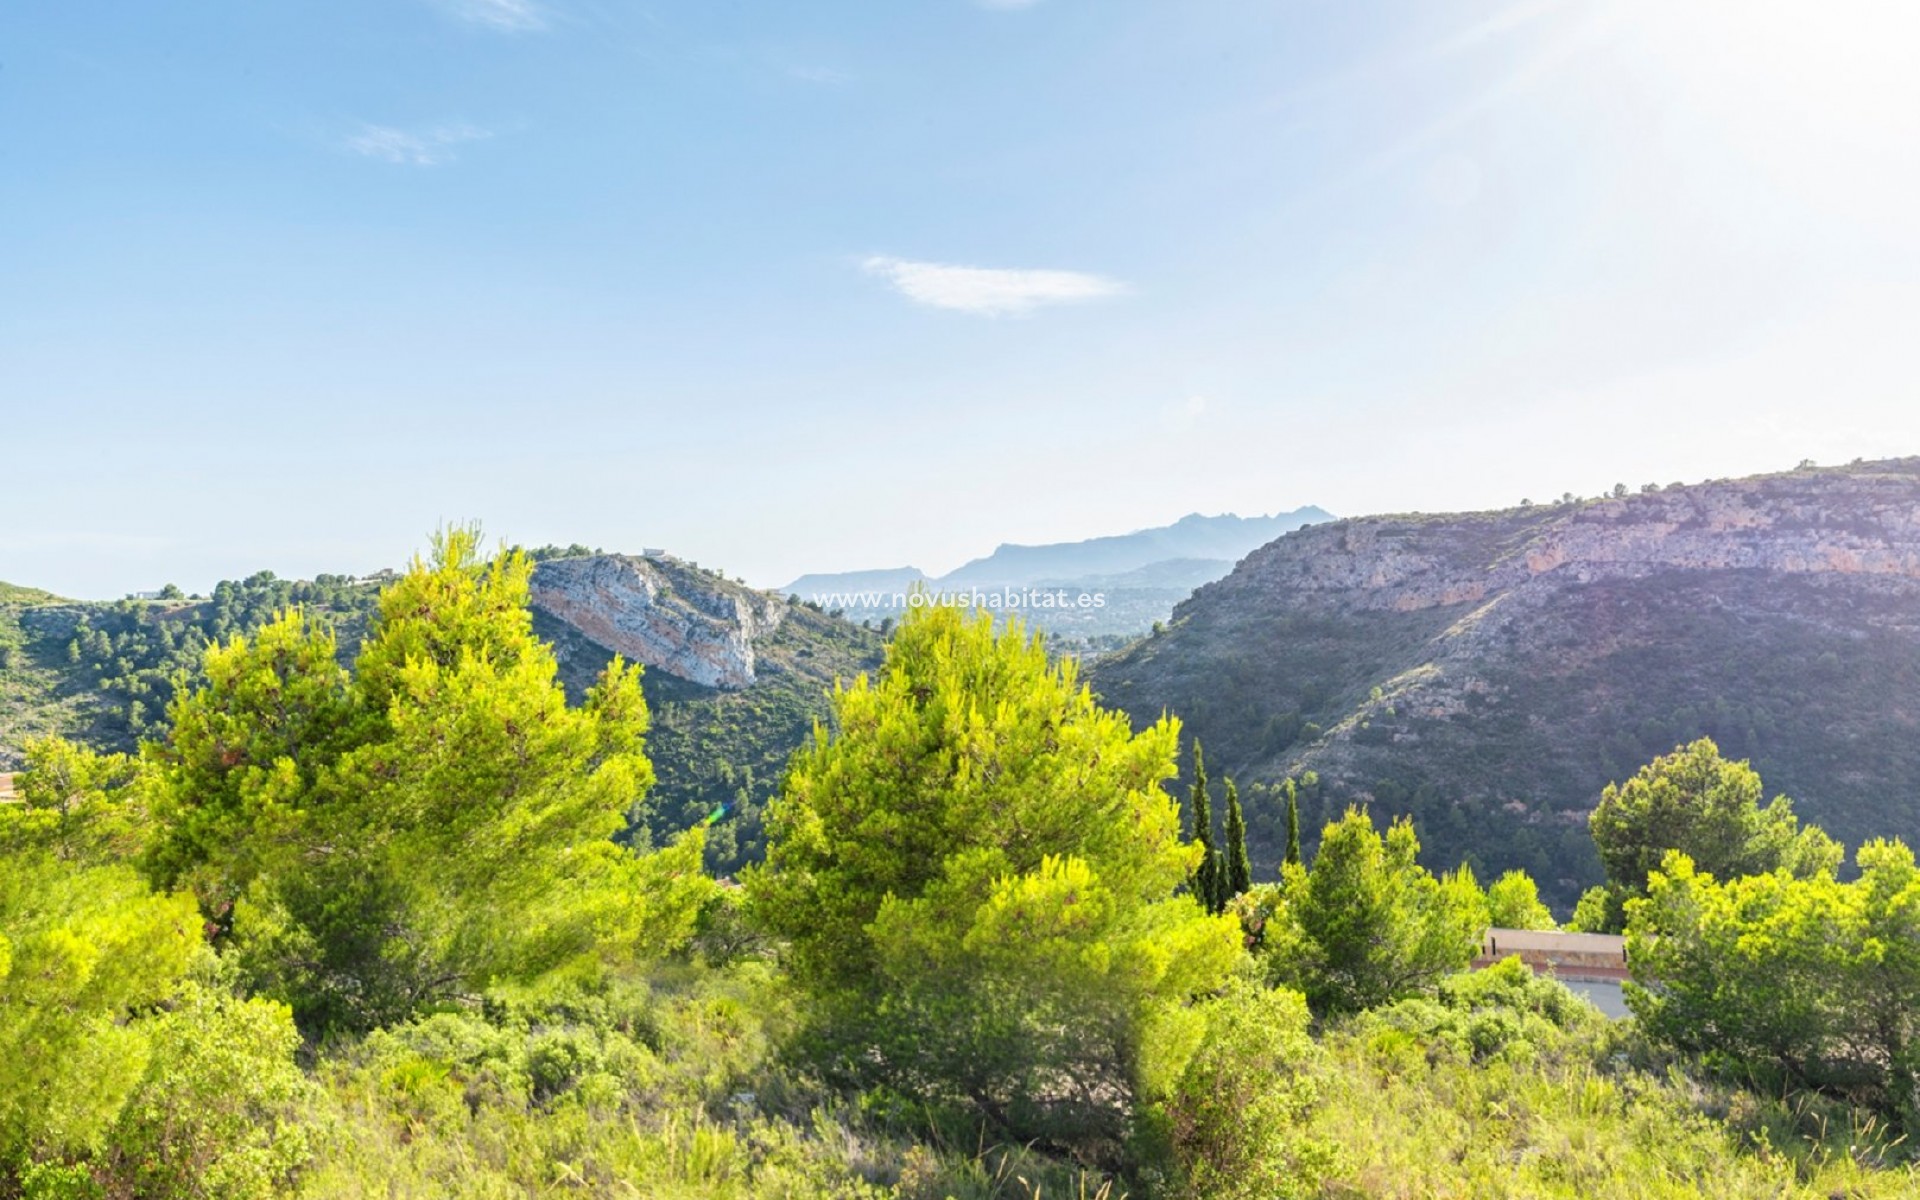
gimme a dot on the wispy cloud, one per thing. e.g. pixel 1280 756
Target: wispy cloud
pixel 508 16
pixel 1185 413
pixel 824 76
pixel 989 292
pixel 414 148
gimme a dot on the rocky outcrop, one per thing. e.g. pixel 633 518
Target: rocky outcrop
pixel 662 614
pixel 1864 522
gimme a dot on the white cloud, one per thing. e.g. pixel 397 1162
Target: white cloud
pixel 1184 414
pixel 824 76
pixel 988 292
pixel 424 148
pixel 509 16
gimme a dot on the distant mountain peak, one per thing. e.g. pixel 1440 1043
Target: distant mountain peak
pixel 1195 536
pixel 1139 574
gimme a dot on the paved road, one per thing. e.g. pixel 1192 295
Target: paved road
pixel 1605 996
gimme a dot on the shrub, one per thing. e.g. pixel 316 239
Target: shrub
pixel 1234 1120
pixel 219 1113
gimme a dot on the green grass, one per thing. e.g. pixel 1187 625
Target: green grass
pixel 671 1085
pixel 1585 1120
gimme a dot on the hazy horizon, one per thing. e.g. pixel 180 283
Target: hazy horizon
pixel 810 288
pixel 691 554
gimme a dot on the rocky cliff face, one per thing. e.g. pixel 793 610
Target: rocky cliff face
pixel 685 622
pixel 1489 673
pixel 1847 523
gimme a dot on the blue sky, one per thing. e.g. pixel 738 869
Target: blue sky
pixel 814 286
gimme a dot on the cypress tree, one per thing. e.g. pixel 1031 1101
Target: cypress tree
pixel 1293 823
pixel 1206 886
pixel 1238 874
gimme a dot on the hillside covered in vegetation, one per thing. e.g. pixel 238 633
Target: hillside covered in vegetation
pixel 105 673
pixel 365 930
pixel 736 680
pixel 1489 673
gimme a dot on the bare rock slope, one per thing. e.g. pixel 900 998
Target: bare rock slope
pixel 689 623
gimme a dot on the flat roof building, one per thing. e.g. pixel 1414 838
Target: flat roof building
pixel 1592 964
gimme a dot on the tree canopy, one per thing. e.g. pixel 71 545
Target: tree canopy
pixel 975 872
pixel 1368 924
pixel 1513 902
pixel 1708 808
pixel 298 799
pixel 1808 981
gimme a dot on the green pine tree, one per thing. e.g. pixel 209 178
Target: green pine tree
pixel 1293 823
pixel 1018 924
pixel 1237 876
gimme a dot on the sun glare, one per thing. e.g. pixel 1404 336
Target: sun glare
pixel 1823 96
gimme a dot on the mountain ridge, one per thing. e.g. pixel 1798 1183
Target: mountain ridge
pixel 1194 536
pixel 1131 580
pixel 1226 536
pixel 1488 673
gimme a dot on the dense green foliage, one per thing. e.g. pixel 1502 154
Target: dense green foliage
pixel 1236 874
pixel 73 804
pixel 1368 924
pixel 1804 981
pixel 1205 883
pixel 85 950
pixel 1235 1118
pixel 719 755
pixel 123 1064
pixel 1292 855
pixel 975 876
pixel 1513 902
pixel 297 799
pixel 139 652
pixel 1225 871
pixel 107 674
pixel 1709 809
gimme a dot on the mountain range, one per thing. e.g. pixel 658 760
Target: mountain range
pixel 1485 673
pixel 1139 575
